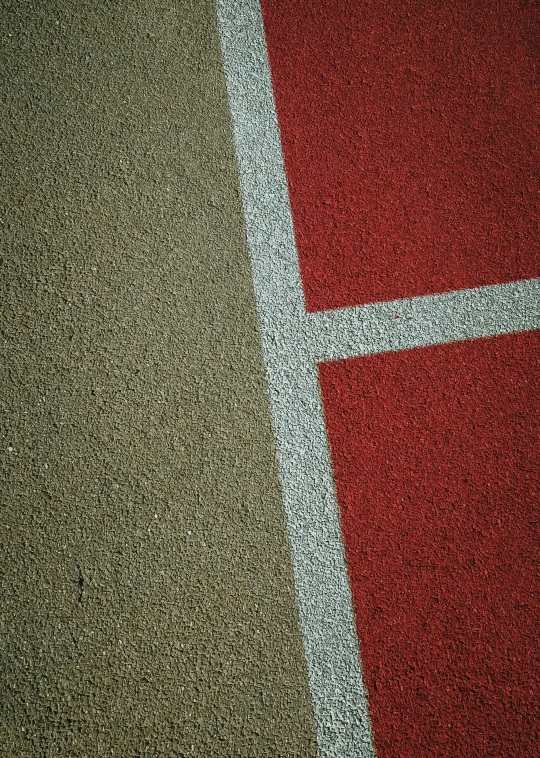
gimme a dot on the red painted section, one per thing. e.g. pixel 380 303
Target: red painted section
pixel 436 457
pixel 411 134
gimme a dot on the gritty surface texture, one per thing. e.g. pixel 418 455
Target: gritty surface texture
pixel 410 134
pixel 147 597
pixel 436 454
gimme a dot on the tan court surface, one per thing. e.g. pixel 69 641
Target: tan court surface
pixel 147 599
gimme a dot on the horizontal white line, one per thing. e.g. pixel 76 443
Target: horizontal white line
pixel 421 321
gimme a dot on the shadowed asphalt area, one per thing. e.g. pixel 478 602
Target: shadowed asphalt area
pixel 147 597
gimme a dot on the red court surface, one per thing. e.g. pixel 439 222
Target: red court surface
pixel 436 457
pixel 411 135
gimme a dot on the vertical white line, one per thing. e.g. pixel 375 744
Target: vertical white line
pixel 324 598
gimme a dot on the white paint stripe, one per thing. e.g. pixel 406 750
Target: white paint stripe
pixel 422 321
pixel 322 586
pixel 293 342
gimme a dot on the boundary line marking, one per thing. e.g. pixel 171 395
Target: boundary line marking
pixel 322 584
pixel 421 321
pixel 293 343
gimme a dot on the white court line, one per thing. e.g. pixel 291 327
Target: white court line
pixel 293 342
pixel 322 585
pixel 422 321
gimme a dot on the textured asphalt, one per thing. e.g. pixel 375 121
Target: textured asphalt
pixel 147 601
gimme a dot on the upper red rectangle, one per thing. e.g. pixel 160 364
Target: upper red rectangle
pixel 410 132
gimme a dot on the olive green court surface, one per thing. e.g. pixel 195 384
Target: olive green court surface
pixel 147 596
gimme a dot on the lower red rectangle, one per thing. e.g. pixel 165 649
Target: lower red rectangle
pixel 435 454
